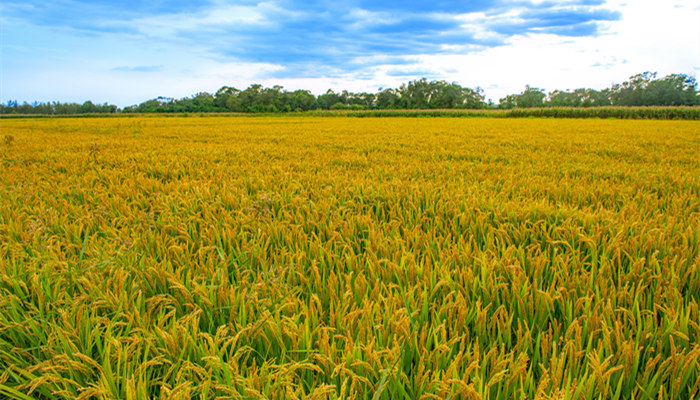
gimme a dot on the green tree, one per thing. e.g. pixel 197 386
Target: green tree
pixel 299 100
pixel 227 98
pixel 387 99
pixel 633 92
pixel 531 97
pixel 328 99
pixel 673 90
pixel 415 94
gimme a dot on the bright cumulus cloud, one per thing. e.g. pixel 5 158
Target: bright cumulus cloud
pixel 125 52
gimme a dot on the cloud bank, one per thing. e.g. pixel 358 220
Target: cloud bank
pixel 321 42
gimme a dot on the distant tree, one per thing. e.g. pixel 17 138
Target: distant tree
pixel 645 90
pixel 421 94
pixel 530 97
pixel 673 90
pixel 387 99
pixel 578 98
pixel 560 98
pixel 200 102
pixel 633 91
pixel 87 108
pixel 226 98
pixel 415 94
pixel 473 98
pixel 445 95
pixel 13 107
pixel 328 99
pixel 299 100
pixel 640 90
pixel 508 102
pixel 358 101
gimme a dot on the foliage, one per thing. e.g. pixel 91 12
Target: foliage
pixel 644 90
pixel 333 258
pixel 640 90
pixel 421 94
pixel 680 113
pixel 57 108
pixel 580 98
pixel 530 98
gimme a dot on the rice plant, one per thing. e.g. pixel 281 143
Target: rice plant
pixel 349 258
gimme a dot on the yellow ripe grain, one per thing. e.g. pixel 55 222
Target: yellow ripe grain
pixel 312 257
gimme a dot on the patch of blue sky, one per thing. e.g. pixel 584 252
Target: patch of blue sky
pixel 290 32
pixel 139 68
pixel 567 16
pixel 222 40
pixel 317 18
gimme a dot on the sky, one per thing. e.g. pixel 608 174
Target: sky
pixel 126 52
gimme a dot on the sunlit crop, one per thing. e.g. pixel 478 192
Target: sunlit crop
pixel 345 258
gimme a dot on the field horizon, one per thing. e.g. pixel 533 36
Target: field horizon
pixel 598 112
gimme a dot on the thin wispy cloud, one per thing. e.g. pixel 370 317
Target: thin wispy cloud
pixel 289 39
pixel 139 68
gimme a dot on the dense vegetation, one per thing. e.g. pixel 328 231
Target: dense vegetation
pixel 57 108
pixel 680 113
pixel 348 258
pixel 640 90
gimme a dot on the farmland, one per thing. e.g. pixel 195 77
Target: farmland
pixel 364 258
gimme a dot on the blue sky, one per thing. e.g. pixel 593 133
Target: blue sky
pixel 125 52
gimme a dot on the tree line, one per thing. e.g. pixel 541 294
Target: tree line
pixel 57 108
pixel 643 89
pixel 640 90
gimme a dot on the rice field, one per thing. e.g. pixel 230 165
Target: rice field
pixel 349 258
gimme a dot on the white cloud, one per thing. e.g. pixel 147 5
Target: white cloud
pixel 650 36
pixel 221 16
pixel 47 64
pixel 125 87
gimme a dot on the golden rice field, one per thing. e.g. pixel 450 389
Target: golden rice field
pixel 345 258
